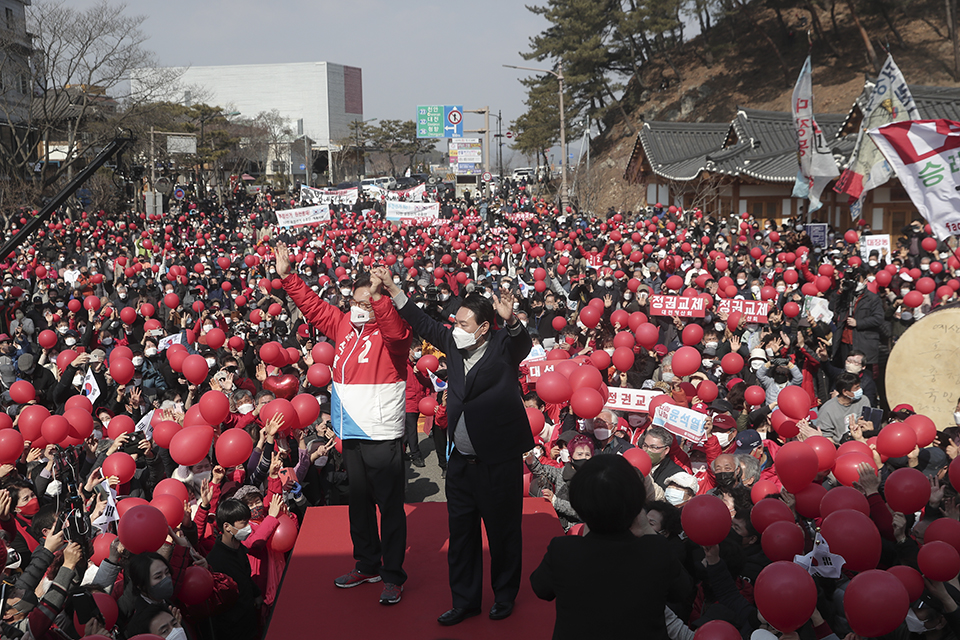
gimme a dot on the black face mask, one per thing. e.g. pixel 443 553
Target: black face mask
pixel 577 464
pixel 726 479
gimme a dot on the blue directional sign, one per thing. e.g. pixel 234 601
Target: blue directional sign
pixel 440 121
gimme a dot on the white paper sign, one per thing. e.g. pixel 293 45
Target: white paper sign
pixel 110 511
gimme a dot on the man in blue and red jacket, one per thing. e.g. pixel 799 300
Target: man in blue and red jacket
pixel 371 344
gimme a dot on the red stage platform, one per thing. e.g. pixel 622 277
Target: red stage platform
pixel 309 606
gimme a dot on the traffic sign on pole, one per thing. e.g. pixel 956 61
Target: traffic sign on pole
pixel 178 193
pixel 440 121
pixel 487 176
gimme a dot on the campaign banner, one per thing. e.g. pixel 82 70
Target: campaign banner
pixel 682 422
pixel 398 210
pixel 636 400
pixel 521 216
pixel 537 369
pixel 817 166
pixel 330 196
pixel 752 310
pixel 413 194
pixel 879 242
pixel 682 306
pixel 818 233
pixel 304 216
pixel 422 222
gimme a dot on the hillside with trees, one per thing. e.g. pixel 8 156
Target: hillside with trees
pixel 627 61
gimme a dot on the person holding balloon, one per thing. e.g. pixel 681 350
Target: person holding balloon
pixel 369 380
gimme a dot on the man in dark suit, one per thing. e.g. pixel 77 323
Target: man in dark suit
pixel 490 433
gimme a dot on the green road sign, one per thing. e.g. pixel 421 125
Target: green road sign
pixel 430 121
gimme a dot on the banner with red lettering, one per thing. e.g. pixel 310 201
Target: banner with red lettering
pixel 752 310
pixel 682 306
pixel 636 400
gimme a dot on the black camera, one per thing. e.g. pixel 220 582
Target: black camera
pixel 132 445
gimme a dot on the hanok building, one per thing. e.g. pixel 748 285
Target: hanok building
pixel 750 164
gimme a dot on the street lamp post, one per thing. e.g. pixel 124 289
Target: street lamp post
pixel 558 74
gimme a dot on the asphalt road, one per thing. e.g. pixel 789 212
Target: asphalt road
pixel 425 485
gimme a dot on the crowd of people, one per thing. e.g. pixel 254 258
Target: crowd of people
pixel 205 365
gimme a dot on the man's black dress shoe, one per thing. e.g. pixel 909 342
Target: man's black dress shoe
pixel 501 610
pixel 456 616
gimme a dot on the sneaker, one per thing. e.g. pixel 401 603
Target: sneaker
pixel 418 462
pixel 391 593
pixel 355 578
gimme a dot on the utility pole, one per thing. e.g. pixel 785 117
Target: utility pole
pixel 558 74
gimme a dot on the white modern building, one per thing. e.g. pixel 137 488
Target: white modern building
pixel 325 95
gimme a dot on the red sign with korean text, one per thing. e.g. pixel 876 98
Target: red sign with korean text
pixel 682 306
pixel 752 310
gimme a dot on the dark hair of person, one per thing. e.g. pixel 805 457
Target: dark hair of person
pixel 363 280
pixel 669 517
pixel 846 381
pixel 607 493
pixel 736 395
pixel 230 511
pixel 140 622
pixel 137 572
pixel 44 518
pixel 482 309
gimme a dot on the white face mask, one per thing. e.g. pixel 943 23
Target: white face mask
pixel 601 433
pixel 719 326
pixel 674 495
pixel 150 352
pixel 359 315
pixel 243 534
pixel 464 339
pixel 610 351
pixel 177 633
pixel 872 263
pixel 70 341
pixel 211 362
pixel 956 417
pixel 77 380
pixel 723 437
pixel 245 408
pixel 564 455
pixel 711 345
pixel 756 364
pixel 137 361
pixel 915 624
pixel 344 292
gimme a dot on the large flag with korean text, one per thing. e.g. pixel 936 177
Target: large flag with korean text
pixel 924 153
pixel 891 101
pixel 817 166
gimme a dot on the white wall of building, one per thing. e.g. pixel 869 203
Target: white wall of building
pixel 317 92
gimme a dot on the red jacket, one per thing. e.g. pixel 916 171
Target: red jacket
pixel 418 388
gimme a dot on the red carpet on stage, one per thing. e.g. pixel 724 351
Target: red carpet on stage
pixel 309 606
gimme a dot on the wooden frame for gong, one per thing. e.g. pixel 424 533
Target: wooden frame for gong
pixel 924 366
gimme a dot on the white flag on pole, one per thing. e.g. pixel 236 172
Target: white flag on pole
pixel 110 511
pixel 924 153
pixel 90 387
pixel 817 166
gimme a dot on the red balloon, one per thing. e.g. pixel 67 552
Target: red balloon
pixel 875 603
pixel 623 359
pixel 171 507
pixel 686 361
pixel 319 375
pixel 796 465
pixel 692 334
pixel 427 406
pixel 809 499
pixel 601 360
pixel 190 445
pixel 707 391
pixel 119 425
pixel 47 339
pixel 924 427
pixel 195 586
pixel 761 489
pixel 706 520
pixel 717 630
pixel 910 578
pixel 939 561
pixel 125 504
pixel 586 402
pixel 639 459
pixel 840 498
pixel 214 407
pixel 786 595
pixel 825 449
pixel 234 447
pixel 80 423
pixel 732 363
pixel 142 528
pixel 647 334
pixel 11 446
pixel 853 536
pixel 944 529
pixel 590 316
pixel 906 490
pixel 164 431
pixel 78 402
pixel 195 368
pixel 768 511
pixel 54 429
pixel 31 420
pixel 782 540
pixel 285 535
pixel 755 395
pixel 896 439
pixel 120 464
pixel 855 446
pixel 101 547
pixel 558 323
pixel 307 408
pixel 791 309
pixel 794 402
pixel 585 376
pixel 536 419
pixel 554 388
pixel 171 487
pixel 845 469
pixel 122 370
pixel 215 338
